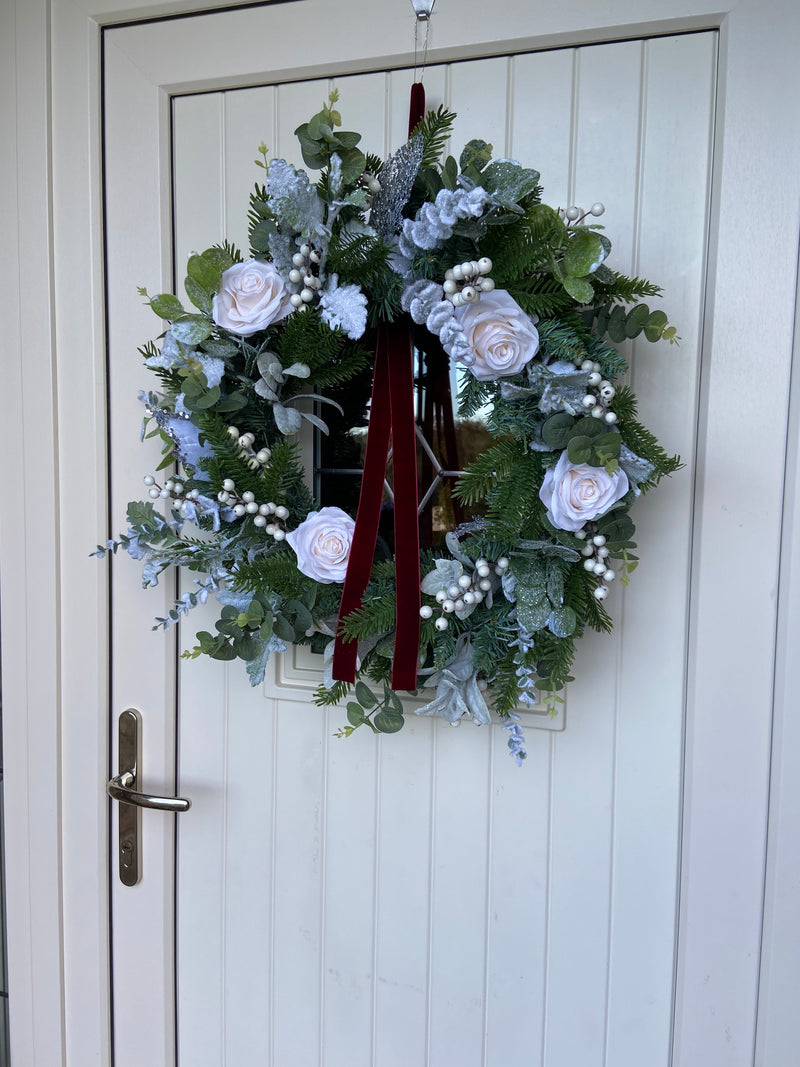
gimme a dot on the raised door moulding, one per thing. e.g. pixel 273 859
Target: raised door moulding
pixel 298 671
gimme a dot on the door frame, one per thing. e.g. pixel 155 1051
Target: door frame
pixel 54 618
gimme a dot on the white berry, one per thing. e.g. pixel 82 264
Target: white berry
pixel 610 418
pixel 484 265
pixel 441 623
pixel 229 485
pixel 441 596
pixel 485 585
pixel 588 564
pixel 149 479
pixel 453 591
pixel 259 520
pixel 465 581
pixel 598 539
pixel 609 575
pixel 279 534
pixel 572 213
pixel 154 493
pixel 503 563
pixel 601 592
pixel 597 209
pixel 589 400
pixel 449 605
pixel 425 611
pixel 595 378
pixel 598 412
pixel 281 512
pixel 248 497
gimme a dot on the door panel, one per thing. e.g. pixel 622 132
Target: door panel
pixel 417 898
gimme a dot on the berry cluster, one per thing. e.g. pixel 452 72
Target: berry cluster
pixel 303 281
pixel 576 215
pixel 470 589
pixel 172 489
pixel 595 561
pixel 263 515
pixel 246 441
pixel 599 395
pixel 464 283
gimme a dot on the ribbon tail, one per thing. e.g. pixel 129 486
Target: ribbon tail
pixel 365 535
pixel 406 524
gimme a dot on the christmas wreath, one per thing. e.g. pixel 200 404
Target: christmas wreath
pixel 421 261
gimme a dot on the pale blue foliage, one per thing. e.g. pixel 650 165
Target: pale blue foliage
pixel 344 308
pixel 457 690
pixel 516 740
pixel 187 439
pixel 637 469
pixel 256 667
pixel 296 203
pixel 435 222
pixel 188 601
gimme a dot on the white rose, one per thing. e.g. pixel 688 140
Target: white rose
pixel 252 295
pixel 500 334
pixel 322 544
pixel 575 493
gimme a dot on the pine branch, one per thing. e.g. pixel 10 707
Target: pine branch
pixel 491 467
pixel 624 289
pixel 435 127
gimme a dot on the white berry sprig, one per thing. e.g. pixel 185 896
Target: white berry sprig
pixel 469 590
pixel 464 282
pixel 595 561
pixel 599 394
pixel 303 280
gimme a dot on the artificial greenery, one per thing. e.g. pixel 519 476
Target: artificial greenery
pixel 432 236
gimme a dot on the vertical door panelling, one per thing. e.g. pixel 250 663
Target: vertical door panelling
pixel 417 899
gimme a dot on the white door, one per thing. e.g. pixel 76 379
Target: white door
pixel 414 899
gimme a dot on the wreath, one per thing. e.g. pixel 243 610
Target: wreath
pixel 420 261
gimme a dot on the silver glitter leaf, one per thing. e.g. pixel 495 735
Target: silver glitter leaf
pixel 397 179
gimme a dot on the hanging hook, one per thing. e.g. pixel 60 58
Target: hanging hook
pixel 423 9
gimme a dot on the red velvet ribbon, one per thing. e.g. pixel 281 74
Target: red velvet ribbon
pixel 391 415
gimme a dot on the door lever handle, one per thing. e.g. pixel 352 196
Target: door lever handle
pixel 124 788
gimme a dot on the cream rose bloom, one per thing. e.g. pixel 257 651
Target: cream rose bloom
pixel 322 544
pixel 500 334
pixel 575 493
pixel 252 295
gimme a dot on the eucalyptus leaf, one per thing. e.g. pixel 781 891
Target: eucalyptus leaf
pixel 636 320
pixel 191 329
pixel 617 324
pixel 283 629
pixel 579 289
pixel 167 306
pixel 355 713
pixel 218 258
pixel 476 154
pixel 315 420
pixel 388 722
pixel 584 254
pixel 562 621
pixel 288 420
pixel 509 181
pixel 556 429
pixel 365 696
pixel 198 295
pixel 532 614
pixel 260 235
pixel 204 272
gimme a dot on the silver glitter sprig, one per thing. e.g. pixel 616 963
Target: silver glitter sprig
pixel 397 179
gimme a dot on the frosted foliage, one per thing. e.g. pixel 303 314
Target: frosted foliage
pixel 397 178
pixel 344 308
pixel 435 222
pixel 294 200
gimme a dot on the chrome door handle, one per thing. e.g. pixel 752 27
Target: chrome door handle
pixel 124 788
